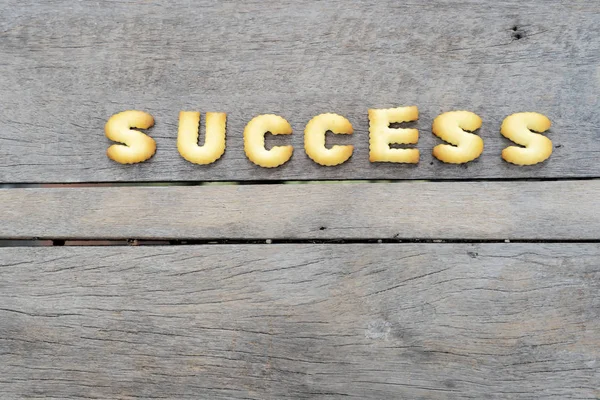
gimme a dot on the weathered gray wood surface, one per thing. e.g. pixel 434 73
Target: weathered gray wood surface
pixel 428 321
pixel 66 66
pixel 435 210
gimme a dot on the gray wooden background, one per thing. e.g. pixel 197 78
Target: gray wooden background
pixel 67 66
pixel 477 281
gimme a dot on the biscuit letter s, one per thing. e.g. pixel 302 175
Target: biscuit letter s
pixel 449 127
pixel 137 147
pixel 516 127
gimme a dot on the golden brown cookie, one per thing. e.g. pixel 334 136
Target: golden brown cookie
pixel 254 141
pixel 314 139
pixel 518 127
pixel 381 135
pixel 137 146
pixel 187 137
pixel 449 127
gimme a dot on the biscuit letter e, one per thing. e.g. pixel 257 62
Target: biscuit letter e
pixel 381 135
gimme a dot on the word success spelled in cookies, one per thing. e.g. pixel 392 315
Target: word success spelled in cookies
pixel 456 128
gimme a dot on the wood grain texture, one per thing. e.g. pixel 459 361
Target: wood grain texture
pixel 408 321
pixel 563 210
pixel 66 67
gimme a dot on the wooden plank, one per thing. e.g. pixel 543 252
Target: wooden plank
pixel 562 210
pixel 67 67
pixel 407 321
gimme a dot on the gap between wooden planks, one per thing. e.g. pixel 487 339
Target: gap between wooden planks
pixel 513 210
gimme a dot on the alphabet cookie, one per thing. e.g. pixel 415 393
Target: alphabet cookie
pixel 254 141
pixel 449 127
pixel 314 139
pixel 517 127
pixel 137 146
pixel 187 137
pixel 381 135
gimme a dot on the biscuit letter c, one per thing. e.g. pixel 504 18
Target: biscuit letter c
pixel 314 139
pixel 254 141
